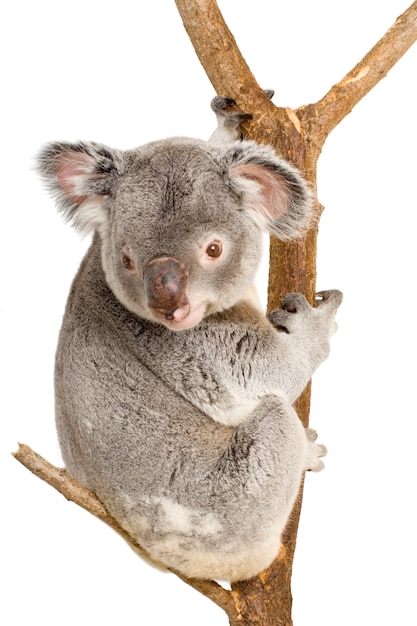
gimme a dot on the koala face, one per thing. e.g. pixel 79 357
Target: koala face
pixel 180 221
pixel 178 246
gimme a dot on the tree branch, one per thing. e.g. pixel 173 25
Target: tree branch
pixel 283 127
pixel 342 97
pixel 223 62
pixel 75 492
pixel 216 47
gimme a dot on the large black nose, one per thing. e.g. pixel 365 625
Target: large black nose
pixel 165 283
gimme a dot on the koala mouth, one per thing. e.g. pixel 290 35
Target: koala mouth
pixel 182 318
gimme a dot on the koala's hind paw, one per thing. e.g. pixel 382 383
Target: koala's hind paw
pixel 220 104
pixel 229 120
pixel 226 118
pixel 314 452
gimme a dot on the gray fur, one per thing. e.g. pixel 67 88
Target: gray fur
pixel 173 391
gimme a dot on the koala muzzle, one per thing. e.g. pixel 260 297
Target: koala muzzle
pixel 165 282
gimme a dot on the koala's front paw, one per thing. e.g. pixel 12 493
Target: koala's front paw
pixel 314 452
pixel 292 314
pixel 296 314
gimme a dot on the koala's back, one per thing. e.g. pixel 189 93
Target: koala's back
pixel 160 466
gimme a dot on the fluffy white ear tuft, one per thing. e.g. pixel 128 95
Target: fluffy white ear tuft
pixel 80 177
pixel 273 192
pixel 73 169
pixel 75 172
pixel 265 193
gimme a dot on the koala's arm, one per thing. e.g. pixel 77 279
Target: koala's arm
pixel 278 356
pixel 237 357
pixel 298 343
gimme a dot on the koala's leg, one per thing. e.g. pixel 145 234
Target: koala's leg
pixel 228 122
pixel 266 457
pixel 230 512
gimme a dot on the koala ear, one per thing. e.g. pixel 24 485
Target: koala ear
pixel 273 191
pixel 80 176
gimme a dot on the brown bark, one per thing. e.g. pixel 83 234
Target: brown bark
pixel 297 135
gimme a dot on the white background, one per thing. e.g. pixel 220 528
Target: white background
pixel 124 73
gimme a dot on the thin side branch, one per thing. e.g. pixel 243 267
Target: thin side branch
pixel 72 490
pixel 342 97
pixel 75 492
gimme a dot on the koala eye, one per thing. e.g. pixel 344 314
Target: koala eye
pixel 128 262
pixel 214 249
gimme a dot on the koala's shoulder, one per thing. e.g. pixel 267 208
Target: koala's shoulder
pixel 244 315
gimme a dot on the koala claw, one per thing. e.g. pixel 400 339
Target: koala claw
pixel 332 299
pixel 331 296
pixel 315 451
pixel 221 105
pixel 311 434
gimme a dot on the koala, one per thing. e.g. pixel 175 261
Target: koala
pixel 174 391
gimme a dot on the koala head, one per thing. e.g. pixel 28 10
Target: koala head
pixel 180 221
